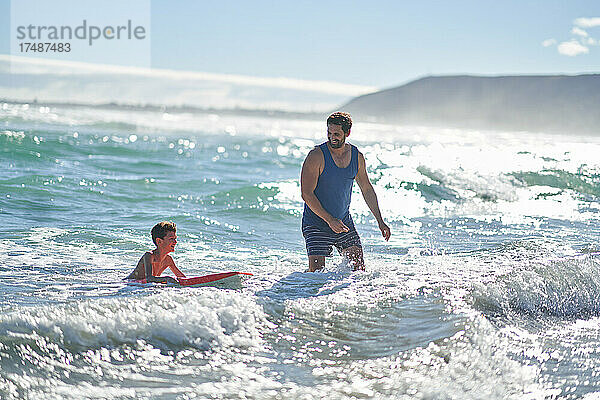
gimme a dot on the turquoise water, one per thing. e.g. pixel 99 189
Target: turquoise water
pixel 488 287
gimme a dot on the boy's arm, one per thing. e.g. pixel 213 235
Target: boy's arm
pixel 148 270
pixel 147 266
pixel 175 270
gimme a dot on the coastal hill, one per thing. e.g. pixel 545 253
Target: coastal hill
pixel 565 104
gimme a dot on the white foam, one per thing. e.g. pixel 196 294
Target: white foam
pixel 170 317
pixel 566 288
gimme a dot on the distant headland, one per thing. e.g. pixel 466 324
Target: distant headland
pixel 557 103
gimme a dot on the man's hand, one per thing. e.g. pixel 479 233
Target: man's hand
pixel 337 225
pixel 385 230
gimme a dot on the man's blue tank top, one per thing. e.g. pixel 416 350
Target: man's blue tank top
pixel 334 188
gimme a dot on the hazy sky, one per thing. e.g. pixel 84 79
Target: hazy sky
pixel 376 43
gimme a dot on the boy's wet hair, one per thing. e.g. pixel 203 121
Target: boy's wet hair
pixel 341 118
pixel 160 230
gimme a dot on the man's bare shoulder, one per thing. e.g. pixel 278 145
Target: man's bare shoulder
pixel 315 156
pixel 315 161
pixel 362 167
pixel 361 156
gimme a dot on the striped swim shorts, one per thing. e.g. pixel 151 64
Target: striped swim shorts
pixel 320 241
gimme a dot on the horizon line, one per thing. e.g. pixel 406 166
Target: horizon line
pixel 82 68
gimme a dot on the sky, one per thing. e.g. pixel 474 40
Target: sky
pixel 376 44
pixel 379 43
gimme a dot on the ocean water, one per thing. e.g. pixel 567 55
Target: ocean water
pixel 488 288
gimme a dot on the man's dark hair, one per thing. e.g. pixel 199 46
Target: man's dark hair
pixel 160 230
pixel 341 118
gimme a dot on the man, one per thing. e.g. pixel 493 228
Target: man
pixel 326 181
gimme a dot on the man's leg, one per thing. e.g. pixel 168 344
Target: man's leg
pixel 315 263
pixel 318 245
pixel 354 254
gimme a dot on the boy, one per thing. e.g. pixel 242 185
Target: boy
pixel 152 264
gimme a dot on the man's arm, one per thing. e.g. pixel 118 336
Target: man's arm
pixel 311 169
pixel 370 197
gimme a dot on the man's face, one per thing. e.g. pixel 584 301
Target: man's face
pixel 168 242
pixel 336 136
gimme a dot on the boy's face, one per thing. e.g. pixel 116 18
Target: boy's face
pixel 168 242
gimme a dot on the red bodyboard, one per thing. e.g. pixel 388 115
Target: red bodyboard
pixel 212 278
pixel 206 279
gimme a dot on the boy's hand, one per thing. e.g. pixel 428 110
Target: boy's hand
pixel 163 279
pixel 171 280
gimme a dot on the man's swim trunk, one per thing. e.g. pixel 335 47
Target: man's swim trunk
pixel 320 240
